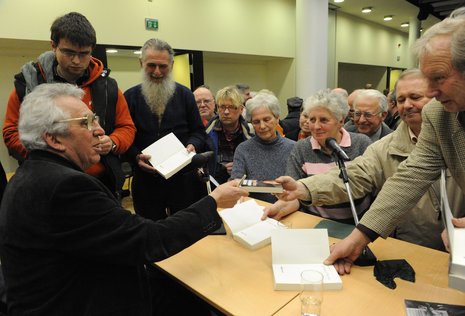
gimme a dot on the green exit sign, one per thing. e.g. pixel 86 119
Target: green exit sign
pixel 151 24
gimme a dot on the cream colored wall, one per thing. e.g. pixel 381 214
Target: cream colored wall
pixel 259 27
pixel 362 42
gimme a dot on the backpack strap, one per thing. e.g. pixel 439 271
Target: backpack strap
pixel 104 99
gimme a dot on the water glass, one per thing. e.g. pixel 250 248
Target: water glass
pixel 311 294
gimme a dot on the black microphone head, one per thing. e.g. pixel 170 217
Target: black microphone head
pixel 199 160
pixel 329 141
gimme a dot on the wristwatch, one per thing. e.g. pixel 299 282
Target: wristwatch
pixel 113 147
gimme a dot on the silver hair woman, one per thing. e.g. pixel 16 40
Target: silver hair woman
pixel 40 113
pixel 263 100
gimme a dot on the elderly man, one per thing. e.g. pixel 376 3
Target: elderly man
pixel 439 145
pixel 158 107
pixel 205 102
pixel 368 173
pixel 62 227
pixel 226 131
pixel 72 39
pixel 370 110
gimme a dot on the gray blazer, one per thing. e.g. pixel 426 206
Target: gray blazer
pixel 441 145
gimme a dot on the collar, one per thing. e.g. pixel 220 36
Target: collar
pixel 377 134
pixel 346 141
pixel 85 76
pixel 413 138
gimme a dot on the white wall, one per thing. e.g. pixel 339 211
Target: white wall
pixel 258 27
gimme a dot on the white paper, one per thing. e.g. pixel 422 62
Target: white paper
pixel 456 238
pixel 244 220
pixel 168 155
pixel 296 250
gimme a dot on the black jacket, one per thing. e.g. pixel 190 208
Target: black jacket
pixel 67 247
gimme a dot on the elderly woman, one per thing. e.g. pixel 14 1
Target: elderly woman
pixel 264 156
pixel 303 131
pixel 326 112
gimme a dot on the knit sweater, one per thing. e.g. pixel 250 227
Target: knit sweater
pixel 262 160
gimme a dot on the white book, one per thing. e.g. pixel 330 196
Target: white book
pixel 296 250
pixel 456 238
pixel 247 228
pixel 168 155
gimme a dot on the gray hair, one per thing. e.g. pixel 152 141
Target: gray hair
pixel 263 100
pixel 332 101
pixel 40 112
pixel 412 72
pixel 372 93
pixel 453 26
pixel 157 45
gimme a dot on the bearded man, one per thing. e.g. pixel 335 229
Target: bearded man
pixel 159 106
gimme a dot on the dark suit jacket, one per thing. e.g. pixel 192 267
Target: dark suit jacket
pixel 67 246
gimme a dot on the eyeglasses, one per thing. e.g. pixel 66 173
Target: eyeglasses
pixel 89 120
pixel 71 53
pixel 368 115
pixel 206 102
pixel 223 107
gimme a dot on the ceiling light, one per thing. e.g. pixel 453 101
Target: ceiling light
pixel 367 9
pixel 137 52
pixel 111 51
pixel 338 1
pixel 405 24
pixel 387 18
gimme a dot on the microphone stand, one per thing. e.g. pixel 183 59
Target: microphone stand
pixel 366 258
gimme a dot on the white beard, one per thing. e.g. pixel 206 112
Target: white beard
pixel 157 95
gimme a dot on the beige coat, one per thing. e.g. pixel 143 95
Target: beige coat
pixel 441 144
pixel 369 172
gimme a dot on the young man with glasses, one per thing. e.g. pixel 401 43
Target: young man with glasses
pixel 72 40
pixel 370 110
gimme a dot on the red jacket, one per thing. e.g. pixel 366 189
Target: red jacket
pixel 122 135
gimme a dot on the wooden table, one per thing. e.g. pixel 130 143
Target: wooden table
pixel 238 281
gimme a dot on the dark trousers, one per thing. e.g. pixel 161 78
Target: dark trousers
pixel 152 194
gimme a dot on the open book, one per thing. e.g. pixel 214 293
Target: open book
pixel 247 228
pixel 168 155
pixel 296 250
pixel 261 186
pixel 456 238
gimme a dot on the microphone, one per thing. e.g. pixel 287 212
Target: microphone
pixel 331 143
pixel 200 160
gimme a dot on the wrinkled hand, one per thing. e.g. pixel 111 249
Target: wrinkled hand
pixel 105 145
pixel 292 189
pixel 143 163
pixel 280 209
pixel 227 194
pixel 457 222
pixel 344 253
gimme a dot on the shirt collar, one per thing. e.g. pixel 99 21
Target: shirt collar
pixel 346 141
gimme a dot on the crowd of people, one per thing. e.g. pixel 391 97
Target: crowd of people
pixel 70 126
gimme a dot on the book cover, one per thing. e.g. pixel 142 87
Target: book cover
pixel 456 238
pixel 267 186
pixel 420 308
pixel 168 155
pixel 296 250
pixel 247 228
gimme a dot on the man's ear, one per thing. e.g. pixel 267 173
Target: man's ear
pixel 54 142
pixel 383 115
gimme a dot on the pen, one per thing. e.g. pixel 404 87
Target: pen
pixel 242 179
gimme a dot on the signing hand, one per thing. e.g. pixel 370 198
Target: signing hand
pixel 345 252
